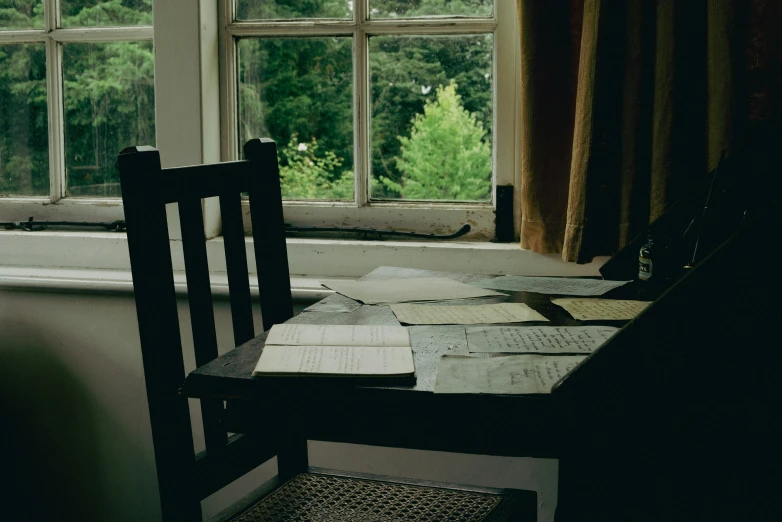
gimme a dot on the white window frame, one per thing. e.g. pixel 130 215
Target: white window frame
pixel 55 206
pixel 422 217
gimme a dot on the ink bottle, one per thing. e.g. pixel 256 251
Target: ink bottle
pixel 646 259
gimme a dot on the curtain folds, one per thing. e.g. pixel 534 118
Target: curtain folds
pixel 626 105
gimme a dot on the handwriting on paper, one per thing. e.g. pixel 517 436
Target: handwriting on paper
pixel 335 360
pixel 337 335
pixel 601 309
pixel 511 374
pixel 465 314
pixel 551 285
pixel 537 339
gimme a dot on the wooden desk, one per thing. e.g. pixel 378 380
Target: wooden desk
pixel 395 416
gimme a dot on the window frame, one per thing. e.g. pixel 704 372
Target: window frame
pixel 421 217
pixel 57 206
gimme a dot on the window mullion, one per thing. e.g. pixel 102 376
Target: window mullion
pixel 361 114
pixel 229 84
pixel 55 115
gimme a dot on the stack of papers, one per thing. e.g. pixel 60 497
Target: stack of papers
pixel 336 350
pixel 551 285
pixel 385 291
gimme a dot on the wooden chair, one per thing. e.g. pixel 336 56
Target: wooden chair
pixel 186 478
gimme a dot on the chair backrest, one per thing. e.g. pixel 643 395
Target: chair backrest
pixel 146 189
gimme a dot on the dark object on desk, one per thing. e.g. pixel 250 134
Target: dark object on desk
pixel 185 478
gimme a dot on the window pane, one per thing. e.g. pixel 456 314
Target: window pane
pixel 24 138
pixel 431 117
pixel 299 93
pixel 419 8
pixel 105 13
pixel 21 15
pixel 285 9
pixel 109 102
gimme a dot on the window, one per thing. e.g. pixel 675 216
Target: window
pixel 385 112
pixel 76 87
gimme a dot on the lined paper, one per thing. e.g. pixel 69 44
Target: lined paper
pixel 465 314
pixel 601 309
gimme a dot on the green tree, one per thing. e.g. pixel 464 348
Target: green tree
pixel 305 174
pixel 446 155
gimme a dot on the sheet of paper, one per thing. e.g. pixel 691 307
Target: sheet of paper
pixel 551 285
pixel 382 291
pixel 465 314
pixel 512 374
pixel 601 309
pixel 337 335
pixel 540 339
pixel 334 303
pixel 335 360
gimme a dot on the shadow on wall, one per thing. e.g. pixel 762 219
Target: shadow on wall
pixel 49 434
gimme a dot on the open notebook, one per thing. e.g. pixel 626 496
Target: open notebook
pixel 306 350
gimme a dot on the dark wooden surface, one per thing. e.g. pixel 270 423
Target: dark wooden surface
pixel 230 376
pixel 402 416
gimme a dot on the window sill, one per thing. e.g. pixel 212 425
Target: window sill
pixel 98 261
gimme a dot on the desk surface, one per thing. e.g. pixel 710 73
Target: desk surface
pixel 397 416
pixel 230 375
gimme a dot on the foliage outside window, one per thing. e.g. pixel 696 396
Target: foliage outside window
pixel 428 129
pixel 76 87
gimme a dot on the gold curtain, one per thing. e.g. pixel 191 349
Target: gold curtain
pixel 626 105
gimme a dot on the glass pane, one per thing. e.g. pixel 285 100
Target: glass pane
pixel 299 93
pixel 105 13
pixel 24 138
pixel 109 99
pixel 431 117
pixel 420 8
pixel 288 9
pixel 27 14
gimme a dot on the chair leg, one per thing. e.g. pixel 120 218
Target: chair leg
pixel 292 457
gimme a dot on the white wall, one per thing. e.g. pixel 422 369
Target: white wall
pixel 75 429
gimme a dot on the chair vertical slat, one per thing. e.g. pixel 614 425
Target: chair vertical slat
pixel 271 256
pixel 236 266
pixel 202 319
pixel 161 344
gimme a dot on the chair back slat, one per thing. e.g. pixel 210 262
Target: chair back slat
pixel 204 181
pixel 236 267
pixel 271 256
pixel 202 320
pixel 158 320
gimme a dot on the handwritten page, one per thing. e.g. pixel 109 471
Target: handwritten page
pixel 551 285
pixel 337 335
pixel 512 374
pixel 383 291
pixel 465 314
pixel 601 309
pixel 335 360
pixel 540 339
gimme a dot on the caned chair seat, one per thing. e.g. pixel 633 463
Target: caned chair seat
pixel 326 497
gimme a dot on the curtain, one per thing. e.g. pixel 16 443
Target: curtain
pixel 627 105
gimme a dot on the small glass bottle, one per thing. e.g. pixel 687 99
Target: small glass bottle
pixel 646 259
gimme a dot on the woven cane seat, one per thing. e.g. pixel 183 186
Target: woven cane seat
pixel 312 497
